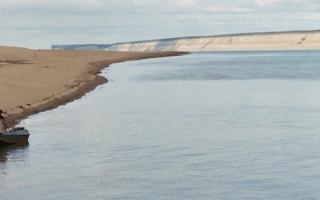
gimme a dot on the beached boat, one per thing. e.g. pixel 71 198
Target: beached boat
pixel 17 135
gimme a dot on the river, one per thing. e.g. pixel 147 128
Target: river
pixel 215 125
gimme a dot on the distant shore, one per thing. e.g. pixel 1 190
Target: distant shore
pixel 288 40
pixel 32 81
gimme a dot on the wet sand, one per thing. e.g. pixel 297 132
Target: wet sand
pixel 32 81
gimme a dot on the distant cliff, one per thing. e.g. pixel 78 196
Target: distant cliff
pixel 291 40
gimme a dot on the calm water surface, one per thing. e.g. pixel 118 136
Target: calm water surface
pixel 231 125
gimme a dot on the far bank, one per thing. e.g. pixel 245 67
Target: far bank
pixel 289 40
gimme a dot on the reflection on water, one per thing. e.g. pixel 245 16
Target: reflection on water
pixel 11 153
pixel 174 128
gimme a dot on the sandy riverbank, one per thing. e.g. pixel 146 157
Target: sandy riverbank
pixel 32 81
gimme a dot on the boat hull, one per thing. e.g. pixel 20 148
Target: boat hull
pixel 14 137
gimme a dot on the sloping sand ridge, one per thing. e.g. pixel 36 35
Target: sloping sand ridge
pixel 32 81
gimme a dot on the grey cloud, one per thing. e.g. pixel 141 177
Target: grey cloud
pixel 38 24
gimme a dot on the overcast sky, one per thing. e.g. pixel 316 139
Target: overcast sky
pixel 41 23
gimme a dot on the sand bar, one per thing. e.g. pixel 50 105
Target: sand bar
pixel 32 81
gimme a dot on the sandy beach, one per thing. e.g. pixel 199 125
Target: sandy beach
pixel 32 81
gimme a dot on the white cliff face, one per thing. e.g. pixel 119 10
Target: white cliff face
pixel 259 41
pixel 243 42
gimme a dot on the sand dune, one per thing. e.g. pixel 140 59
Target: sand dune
pixel 294 40
pixel 33 81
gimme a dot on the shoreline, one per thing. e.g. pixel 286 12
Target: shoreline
pixel 284 40
pixel 86 82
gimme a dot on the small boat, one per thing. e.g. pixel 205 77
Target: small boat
pixel 17 135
